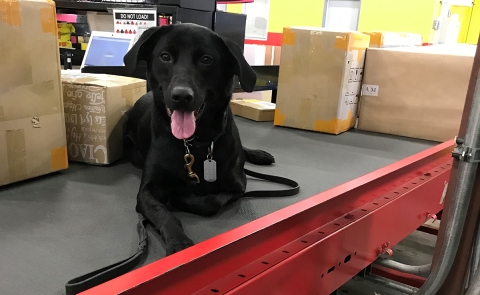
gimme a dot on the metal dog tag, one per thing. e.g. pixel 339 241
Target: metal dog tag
pixel 210 170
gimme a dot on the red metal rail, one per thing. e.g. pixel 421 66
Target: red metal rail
pixel 311 247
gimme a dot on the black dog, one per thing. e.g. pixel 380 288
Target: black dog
pixel 185 125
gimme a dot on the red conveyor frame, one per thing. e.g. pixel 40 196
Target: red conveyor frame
pixel 311 247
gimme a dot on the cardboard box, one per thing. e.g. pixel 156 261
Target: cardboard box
pixel 265 95
pixel 253 109
pixel 394 39
pixel 416 92
pixel 320 79
pixel 94 109
pixel 32 126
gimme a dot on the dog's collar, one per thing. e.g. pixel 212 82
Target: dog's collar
pixel 209 165
pixel 195 141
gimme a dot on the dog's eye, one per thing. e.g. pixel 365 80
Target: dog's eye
pixel 165 57
pixel 206 60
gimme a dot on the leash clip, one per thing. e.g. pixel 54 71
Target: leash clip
pixel 189 160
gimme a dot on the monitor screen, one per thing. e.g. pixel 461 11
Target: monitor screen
pixel 106 51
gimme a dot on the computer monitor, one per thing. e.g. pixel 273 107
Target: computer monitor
pixel 107 49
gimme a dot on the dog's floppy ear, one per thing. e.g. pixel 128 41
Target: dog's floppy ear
pixel 143 48
pixel 246 75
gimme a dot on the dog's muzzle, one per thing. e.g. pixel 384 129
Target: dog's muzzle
pixel 183 121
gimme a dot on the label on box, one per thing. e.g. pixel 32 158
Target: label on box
pixel 351 86
pixel 355 75
pixel 370 90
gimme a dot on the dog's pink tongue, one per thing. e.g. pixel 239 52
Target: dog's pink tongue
pixel 183 124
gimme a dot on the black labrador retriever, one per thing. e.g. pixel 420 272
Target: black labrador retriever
pixel 182 133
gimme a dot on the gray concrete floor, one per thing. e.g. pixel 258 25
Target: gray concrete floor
pixel 59 226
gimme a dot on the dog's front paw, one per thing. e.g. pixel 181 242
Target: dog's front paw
pixel 177 245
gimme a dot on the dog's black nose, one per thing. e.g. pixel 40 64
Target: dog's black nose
pixel 182 94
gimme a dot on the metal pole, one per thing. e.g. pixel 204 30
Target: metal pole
pixel 458 210
pixel 474 285
pixel 391 284
pixel 420 270
pixel 455 281
pixel 469 274
pixel 474 259
pixel 475 253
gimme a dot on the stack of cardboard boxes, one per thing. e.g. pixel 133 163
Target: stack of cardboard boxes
pixel 40 131
pixel 32 125
pixel 329 81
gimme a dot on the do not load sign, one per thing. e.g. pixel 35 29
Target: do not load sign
pixel 128 21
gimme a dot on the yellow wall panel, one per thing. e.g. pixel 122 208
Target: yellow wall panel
pixel 474 30
pixel 235 8
pixel 464 14
pixel 285 14
pixel 413 16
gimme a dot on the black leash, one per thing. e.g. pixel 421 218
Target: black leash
pixel 295 187
pixel 100 276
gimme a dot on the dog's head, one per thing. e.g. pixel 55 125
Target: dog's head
pixel 193 68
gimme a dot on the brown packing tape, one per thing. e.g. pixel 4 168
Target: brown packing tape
pixel 59 158
pixel 48 18
pixel 16 155
pixel 15 62
pixel 102 80
pixel 279 119
pixel 288 37
pixel 10 12
pixel 128 93
pixel 43 89
pixel 376 39
pixel 353 41
pixel 30 106
pixel 138 92
pixel 334 126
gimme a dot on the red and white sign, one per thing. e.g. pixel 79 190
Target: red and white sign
pixel 128 21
